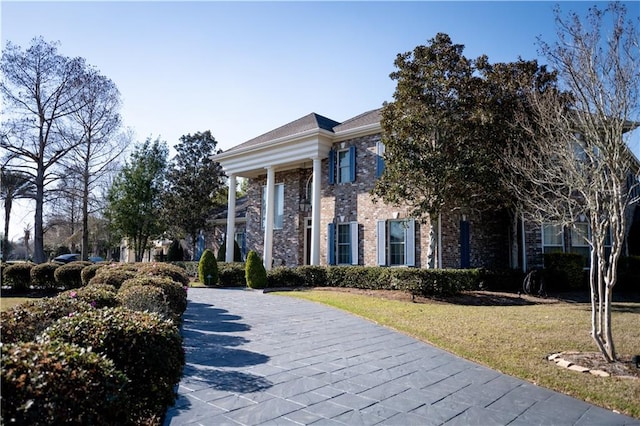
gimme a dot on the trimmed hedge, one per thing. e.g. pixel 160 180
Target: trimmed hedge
pixel 232 274
pixel 90 271
pixel 112 275
pixel 97 295
pixel 145 298
pixel 167 270
pixel 147 349
pixel 175 293
pixel 18 276
pixel 43 276
pixel 419 282
pixel 69 275
pixel 61 384
pixel 24 322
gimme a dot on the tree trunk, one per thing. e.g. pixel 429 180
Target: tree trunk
pixel 85 212
pixel 38 228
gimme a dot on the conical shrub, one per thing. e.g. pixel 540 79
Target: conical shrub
pixel 255 273
pixel 208 268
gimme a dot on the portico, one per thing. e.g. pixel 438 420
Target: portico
pixel 293 146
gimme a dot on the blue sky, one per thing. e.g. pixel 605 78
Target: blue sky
pixel 241 69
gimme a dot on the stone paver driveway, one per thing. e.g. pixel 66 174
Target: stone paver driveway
pixel 261 359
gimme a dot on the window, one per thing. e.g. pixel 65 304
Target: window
pixel 242 243
pixel 552 238
pixel 580 235
pixel 396 242
pixel 342 244
pixel 342 165
pixel 278 206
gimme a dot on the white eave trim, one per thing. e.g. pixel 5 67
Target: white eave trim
pixel 368 129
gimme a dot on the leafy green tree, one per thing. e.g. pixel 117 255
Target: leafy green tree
pixel 175 252
pixel 447 128
pixel 14 185
pixel 135 198
pixel 193 183
pixel 222 252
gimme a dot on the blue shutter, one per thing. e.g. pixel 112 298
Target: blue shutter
pixel 410 243
pixel 381 242
pixel 332 167
pixel 352 163
pixel 354 242
pixel 331 243
pixel 380 159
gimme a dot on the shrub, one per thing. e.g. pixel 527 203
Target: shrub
pixel 89 272
pixel 255 273
pixel 190 267
pixel 24 322
pixel 208 268
pixel 222 252
pixel 628 273
pixel 147 349
pixel 59 383
pixel 563 271
pixel 145 298
pixel 501 280
pixel 18 276
pixel 284 277
pixel 313 276
pixel 232 274
pixel 69 275
pixel 43 276
pixel 97 295
pixel 175 293
pixel 175 252
pixel 112 275
pixel 167 270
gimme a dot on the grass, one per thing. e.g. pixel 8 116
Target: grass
pixel 512 339
pixel 8 302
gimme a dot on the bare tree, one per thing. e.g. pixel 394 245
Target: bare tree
pixel 95 124
pixel 40 88
pixel 578 165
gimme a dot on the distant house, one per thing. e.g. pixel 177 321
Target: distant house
pixel 308 203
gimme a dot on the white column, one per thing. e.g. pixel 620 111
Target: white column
pixel 315 212
pixel 231 219
pixel 268 225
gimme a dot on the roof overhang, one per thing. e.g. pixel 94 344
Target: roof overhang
pixel 285 153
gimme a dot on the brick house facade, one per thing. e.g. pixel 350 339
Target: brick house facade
pixel 317 175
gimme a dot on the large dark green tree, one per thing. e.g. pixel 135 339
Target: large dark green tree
pixel 445 131
pixel 135 198
pixel 193 183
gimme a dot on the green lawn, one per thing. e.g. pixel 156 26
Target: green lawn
pixel 11 301
pixel 512 339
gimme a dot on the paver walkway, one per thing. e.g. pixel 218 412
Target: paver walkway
pixel 260 359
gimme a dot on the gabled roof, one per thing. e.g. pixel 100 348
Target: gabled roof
pixel 364 119
pixel 308 122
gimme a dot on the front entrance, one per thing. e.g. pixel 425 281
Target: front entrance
pixel 307 240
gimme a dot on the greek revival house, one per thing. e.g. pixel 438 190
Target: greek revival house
pixel 309 203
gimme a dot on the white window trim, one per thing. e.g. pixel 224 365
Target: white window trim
pixel 544 244
pixel 339 168
pixel 383 253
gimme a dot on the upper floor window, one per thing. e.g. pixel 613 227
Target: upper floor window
pixel 342 165
pixel 278 206
pixel 379 158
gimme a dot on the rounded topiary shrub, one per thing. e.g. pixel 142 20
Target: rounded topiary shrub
pixel 112 275
pixel 24 322
pixel 208 268
pixel 17 275
pixel 255 274
pixel 146 348
pixel 167 270
pixel 145 298
pixel 89 272
pixel 43 276
pixel 69 275
pixel 175 293
pixel 58 383
pixel 97 295
pixel 232 274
